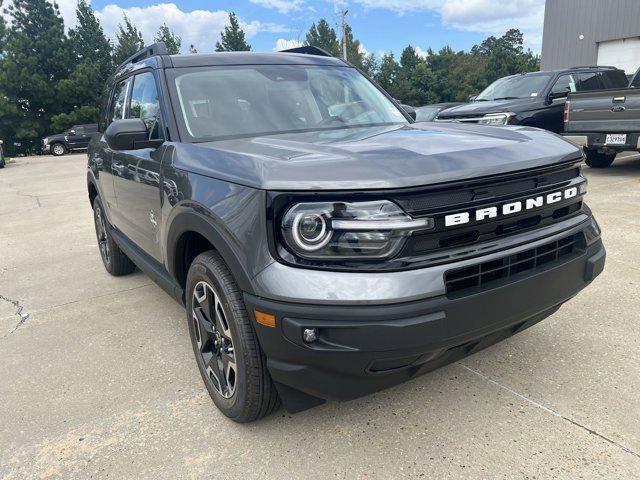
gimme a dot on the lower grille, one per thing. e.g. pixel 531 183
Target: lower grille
pixel 486 275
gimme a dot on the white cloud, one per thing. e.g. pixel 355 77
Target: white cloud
pixel 421 53
pixel 487 16
pixel 282 6
pixel 199 27
pixel 284 44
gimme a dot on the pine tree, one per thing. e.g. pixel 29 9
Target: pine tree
pixel 232 39
pixel 79 95
pixel 170 39
pixel 325 37
pixel 129 41
pixel 388 72
pixel 36 57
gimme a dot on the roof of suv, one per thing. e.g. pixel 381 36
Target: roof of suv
pixel 251 58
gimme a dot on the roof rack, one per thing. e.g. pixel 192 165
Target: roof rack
pixel 309 50
pixel 609 67
pixel 151 51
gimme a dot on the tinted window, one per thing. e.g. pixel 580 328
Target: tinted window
pixel 614 79
pixel 564 84
pixel 587 81
pixel 79 129
pixel 145 103
pixel 118 102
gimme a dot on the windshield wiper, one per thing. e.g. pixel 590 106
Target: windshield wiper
pixel 481 100
pixel 506 98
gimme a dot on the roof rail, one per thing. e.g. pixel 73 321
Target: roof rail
pixel 151 51
pixel 309 50
pixel 609 67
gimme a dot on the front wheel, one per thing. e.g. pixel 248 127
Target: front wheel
pixel 599 160
pixel 225 344
pixel 58 149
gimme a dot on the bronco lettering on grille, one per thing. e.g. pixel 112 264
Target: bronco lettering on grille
pixel 487 213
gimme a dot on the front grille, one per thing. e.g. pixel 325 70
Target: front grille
pixel 487 275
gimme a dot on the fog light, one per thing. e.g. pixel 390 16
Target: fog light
pixel 310 335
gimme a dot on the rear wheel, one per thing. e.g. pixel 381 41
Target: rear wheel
pixel 225 344
pixel 58 149
pixel 114 259
pixel 599 160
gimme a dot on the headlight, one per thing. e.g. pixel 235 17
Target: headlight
pixel 347 230
pixel 496 119
pixel 45 141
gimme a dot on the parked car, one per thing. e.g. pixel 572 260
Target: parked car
pixel 76 138
pixel 428 113
pixel 534 99
pixel 324 245
pixel 604 122
pixel 2 162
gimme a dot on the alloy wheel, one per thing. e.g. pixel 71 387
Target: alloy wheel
pixel 103 236
pixel 214 339
pixel 58 149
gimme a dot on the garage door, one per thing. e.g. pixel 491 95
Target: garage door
pixel 623 54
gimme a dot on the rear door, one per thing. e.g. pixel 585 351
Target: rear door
pixel 137 172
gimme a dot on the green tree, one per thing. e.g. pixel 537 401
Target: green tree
pixel 232 39
pixel 387 73
pixel 325 37
pixel 129 41
pixel 36 57
pixel 79 95
pixel 170 39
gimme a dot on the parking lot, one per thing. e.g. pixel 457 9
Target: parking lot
pixel 98 380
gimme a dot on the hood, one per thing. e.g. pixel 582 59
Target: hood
pixel 57 136
pixel 374 157
pixel 494 106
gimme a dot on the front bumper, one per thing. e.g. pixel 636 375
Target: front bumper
pixel 365 348
pixel 46 148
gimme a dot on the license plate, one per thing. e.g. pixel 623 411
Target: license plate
pixel 616 139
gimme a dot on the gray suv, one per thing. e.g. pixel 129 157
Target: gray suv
pixel 324 245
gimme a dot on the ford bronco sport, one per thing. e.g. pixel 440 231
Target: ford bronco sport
pixel 324 245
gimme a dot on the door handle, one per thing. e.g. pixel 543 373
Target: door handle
pixel 118 167
pixel 619 99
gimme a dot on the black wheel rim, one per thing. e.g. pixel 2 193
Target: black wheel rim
pixel 214 339
pixel 103 236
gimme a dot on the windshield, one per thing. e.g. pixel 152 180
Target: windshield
pixel 520 86
pixel 426 114
pixel 250 100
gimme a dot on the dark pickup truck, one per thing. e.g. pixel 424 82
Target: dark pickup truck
pixel 324 245
pixel 604 122
pixel 76 138
pixel 534 99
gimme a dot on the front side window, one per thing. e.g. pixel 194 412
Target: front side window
pixel 564 85
pixel 517 86
pixel 145 103
pixel 265 99
pixel 118 103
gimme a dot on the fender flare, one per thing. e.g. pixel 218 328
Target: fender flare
pixel 192 221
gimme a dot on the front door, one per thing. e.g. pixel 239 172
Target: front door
pixel 137 172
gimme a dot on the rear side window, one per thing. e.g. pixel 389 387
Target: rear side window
pixel 587 81
pixel 118 103
pixel 614 79
pixel 145 103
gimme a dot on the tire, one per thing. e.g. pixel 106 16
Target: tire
pixel 229 357
pixel 114 259
pixel 599 160
pixel 58 149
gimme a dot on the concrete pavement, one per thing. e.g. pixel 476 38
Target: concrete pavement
pixel 97 377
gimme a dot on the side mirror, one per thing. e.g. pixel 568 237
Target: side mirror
pixel 127 134
pixel 472 98
pixel 556 95
pixel 71 132
pixel 410 110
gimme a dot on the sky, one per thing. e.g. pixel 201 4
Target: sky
pixel 381 25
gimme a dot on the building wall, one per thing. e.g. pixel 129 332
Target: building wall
pixel 597 20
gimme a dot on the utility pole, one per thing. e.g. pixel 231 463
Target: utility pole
pixel 344 35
